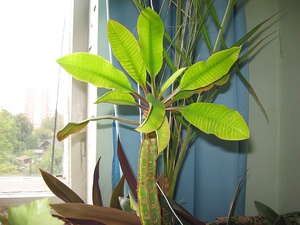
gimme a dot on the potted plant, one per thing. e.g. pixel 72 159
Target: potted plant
pixel 170 108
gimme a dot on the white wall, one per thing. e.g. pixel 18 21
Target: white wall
pixel 289 157
pixel 273 158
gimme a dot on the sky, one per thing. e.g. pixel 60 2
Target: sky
pixel 30 42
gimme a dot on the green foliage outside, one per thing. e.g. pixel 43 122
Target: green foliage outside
pixel 18 137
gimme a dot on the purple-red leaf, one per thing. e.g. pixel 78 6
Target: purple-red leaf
pixel 101 214
pixel 60 189
pixel 97 199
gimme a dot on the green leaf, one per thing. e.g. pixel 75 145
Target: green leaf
pixel 71 128
pixel 202 74
pixel 125 204
pixel 215 119
pixel 163 135
pixel 118 98
pixel 95 70
pixel 127 51
pixel 151 32
pixel 101 214
pixel 269 214
pixel 58 188
pixel 171 80
pixel 38 212
pixel 155 117
pixel 116 193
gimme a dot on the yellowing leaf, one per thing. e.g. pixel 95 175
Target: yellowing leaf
pixel 71 128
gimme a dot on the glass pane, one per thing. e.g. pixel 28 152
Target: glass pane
pixel 33 91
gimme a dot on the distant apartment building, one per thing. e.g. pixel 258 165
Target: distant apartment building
pixel 37 105
pixel 29 106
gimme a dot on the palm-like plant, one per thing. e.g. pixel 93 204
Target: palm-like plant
pixel 169 107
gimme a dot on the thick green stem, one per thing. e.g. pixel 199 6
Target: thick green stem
pixel 149 207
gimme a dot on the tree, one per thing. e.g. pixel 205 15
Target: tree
pixel 45 131
pixel 8 140
pixel 8 132
pixel 25 133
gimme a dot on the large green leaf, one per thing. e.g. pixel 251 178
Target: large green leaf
pixel 95 70
pixel 127 51
pixel 151 32
pixel 215 119
pixel 101 214
pixel 36 213
pixel 155 117
pixel 118 98
pixel 202 74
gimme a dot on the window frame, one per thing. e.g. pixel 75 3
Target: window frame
pixel 77 145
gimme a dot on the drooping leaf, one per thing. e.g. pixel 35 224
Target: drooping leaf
pixel 215 119
pixel 202 74
pixel 71 128
pixel 163 135
pixel 95 70
pixel 127 51
pixel 126 168
pixel 155 117
pixel 58 188
pixel 118 98
pixel 264 210
pixel 36 213
pixel 97 198
pixel 101 214
pixel 151 32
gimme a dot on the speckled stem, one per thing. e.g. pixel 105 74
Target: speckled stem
pixel 149 206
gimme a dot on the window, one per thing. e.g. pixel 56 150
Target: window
pixel 34 35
